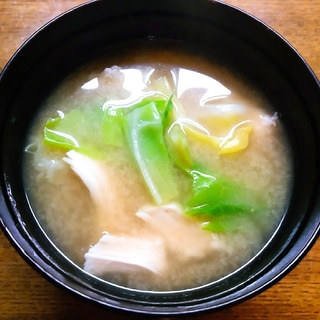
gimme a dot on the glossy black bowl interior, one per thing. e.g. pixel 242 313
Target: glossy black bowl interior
pixel 215 30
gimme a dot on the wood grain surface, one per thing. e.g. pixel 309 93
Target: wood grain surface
pixel 24 294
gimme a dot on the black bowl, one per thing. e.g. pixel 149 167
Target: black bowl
pixel 221 33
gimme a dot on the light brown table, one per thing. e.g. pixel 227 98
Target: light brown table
pixel 24 294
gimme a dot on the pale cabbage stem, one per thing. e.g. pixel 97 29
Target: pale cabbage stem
pixel 237 138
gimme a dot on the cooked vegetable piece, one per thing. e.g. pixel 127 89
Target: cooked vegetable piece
pixel 218 202
pixel 236 140
pixel 216 195
pixel 87 131
pixel 144 131
pixel 176 139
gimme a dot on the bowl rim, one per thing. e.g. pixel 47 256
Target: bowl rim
pixel 15 231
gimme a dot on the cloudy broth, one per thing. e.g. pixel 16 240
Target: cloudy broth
pixel 231 131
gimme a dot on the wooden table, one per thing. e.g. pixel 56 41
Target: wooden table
pixel 25 294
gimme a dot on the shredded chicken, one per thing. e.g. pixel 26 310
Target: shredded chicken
pixel 177 231
pixel 91 173
pixel 100 183
pixel 120 253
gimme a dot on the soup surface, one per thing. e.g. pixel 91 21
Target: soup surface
pixel 157 170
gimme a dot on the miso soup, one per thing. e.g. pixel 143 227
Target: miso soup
pixel 158 170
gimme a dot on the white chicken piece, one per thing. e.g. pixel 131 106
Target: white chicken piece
pixel 180 235
pixel 100 182
pixel 114 254
pixel 92 173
